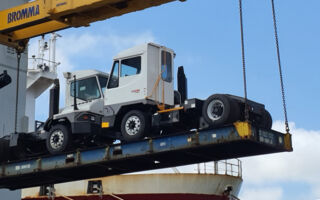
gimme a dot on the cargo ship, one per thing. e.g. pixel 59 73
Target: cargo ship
pixel 213 181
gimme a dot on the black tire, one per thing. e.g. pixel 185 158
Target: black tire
pixel 235 113
pixel 219 110
pixel 134 125
pixel 59 139
pixel 266 120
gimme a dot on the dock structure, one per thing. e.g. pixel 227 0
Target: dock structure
pixel 238 140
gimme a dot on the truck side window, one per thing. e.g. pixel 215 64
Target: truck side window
pixel 86 89
pixel 114 78
pixel 166 66
pixel 131 66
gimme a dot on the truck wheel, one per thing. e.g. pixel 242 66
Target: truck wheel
pixel 219 110
pixel 58 139
pixel 266 120
pixel 134 125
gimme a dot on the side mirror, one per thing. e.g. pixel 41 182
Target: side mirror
pixel 5 79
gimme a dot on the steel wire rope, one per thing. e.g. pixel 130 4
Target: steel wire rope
pixel 17 93
pixel 246 109
pixel 280 67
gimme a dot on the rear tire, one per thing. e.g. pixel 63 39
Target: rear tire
pixel 134 125
pixel 266 120
pixel 59 139
pixel 219 110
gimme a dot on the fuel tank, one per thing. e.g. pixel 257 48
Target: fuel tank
pixel 5 150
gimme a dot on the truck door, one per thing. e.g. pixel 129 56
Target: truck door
pixel 126 82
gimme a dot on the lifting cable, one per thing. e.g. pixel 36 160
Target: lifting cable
pixel 246 109
pixel 280 68
pixel 17 93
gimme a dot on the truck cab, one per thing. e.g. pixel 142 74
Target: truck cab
pixel 80 119
pixel 140 73
pixel 89 89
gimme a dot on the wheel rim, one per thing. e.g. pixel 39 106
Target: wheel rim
pixel 133 125
pixel 215 109
pixel 56 139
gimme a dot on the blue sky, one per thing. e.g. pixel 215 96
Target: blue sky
pixel 205 35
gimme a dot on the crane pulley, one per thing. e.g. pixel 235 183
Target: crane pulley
pixel 39 17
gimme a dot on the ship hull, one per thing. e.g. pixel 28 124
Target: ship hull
pixel 144 187
pixel 139 197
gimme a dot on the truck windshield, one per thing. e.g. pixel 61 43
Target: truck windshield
pixel 86 89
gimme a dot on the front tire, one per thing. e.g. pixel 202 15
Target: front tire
pixel 134 125
pixel 58 139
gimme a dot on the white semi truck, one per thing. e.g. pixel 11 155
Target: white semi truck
pixel 137 100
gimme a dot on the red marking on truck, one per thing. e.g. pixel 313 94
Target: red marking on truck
pixel 135 91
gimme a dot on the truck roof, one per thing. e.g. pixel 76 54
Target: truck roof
pixel 139 49
pixel 84 73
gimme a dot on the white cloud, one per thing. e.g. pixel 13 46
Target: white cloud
pixel 316 191
pixel 97 48
pixel 272 193
pixel 95 44
pixel 302 165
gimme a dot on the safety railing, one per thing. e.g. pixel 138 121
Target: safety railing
pixel 43 64
pixel 46 49
pixel 225 167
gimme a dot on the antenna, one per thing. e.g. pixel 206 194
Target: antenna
pixel 52 51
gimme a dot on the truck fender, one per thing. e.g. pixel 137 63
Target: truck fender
pixel 50 122
pixel 47 124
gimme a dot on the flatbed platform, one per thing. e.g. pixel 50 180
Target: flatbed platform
pixel 239 140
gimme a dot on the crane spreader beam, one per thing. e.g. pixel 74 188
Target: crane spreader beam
pixel 38 17
pixel 236 141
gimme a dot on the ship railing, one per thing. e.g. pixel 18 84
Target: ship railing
pixel 41 63
pixel 231 167
pixel 46 49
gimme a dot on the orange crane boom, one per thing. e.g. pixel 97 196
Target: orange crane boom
pixel 38 17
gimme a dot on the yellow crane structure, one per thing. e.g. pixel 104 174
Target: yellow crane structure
pixel 20 23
